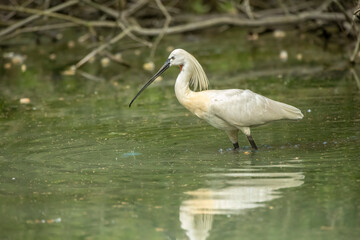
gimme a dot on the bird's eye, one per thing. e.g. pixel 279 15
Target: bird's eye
pixel 172 58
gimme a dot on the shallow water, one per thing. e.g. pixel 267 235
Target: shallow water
pixel 77 163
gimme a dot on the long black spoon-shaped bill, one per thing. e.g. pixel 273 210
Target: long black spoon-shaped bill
pixel 162 69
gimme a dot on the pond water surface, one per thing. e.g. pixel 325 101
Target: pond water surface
pixel 77 163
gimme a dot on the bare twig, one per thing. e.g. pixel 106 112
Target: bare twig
pixel 90 76
pixel 132 36
pixel 11 14
pixel 356 77
pixel 40 28
pixel 117 60
pixel 247 9
pixel 37 12
pixel 33 17
pixel 116 15
pixel 165 27
pixel 342 9
pixel 133 8
pixel 324 5
pixel 356 50
pixel 105 9
pixel 94 52
pixel 283 7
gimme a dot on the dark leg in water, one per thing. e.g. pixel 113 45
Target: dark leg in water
pixel 252 142
pixel 236 146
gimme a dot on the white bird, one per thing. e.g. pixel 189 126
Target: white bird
pixel 229 110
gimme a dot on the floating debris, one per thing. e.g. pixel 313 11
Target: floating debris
pixel 105 62
pixel 299 56
pixel 52 56
pixel 170 48
pixel 149 66
pixel 159 79
pixel 283 55
pixel 7 65
pixel 59 36
pixel 131 154
pixel 23 68
pixel 71 44
pixel 49 221
pixel 118 56
pixel 25 100
pixel 279 34
pixel 69 72
pixel 252 37
pixel 15 58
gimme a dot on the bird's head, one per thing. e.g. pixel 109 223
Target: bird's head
pixel 176 58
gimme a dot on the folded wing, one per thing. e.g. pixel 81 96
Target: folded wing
pixel 244 108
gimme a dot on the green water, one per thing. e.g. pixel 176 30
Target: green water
pixel 77 163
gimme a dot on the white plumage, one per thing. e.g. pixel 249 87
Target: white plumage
pixel 229 110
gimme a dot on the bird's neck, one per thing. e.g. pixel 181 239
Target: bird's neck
pixel 182 88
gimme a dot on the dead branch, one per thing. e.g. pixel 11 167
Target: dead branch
pixel 139 23
pixel 37 12
pixel 241 22
pixel 117 15
pixel 33 17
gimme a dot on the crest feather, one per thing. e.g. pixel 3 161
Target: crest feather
pixel 198 79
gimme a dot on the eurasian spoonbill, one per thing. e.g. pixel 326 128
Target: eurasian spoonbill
pixel 229 110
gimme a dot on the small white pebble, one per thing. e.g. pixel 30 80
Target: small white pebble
pixel 69 72
pixel 23 68
pixel 170 48
pixel 283 55
pixel 299 56
pixel 25 100
pixel 105 62
pixel 279 34
pixel 159 79
pixel 309 110
pixel 52 56
pixel 71 44
pixel 149 66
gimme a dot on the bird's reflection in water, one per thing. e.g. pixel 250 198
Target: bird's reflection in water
pixel 241 189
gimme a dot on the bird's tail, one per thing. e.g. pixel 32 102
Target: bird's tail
pixel 291 112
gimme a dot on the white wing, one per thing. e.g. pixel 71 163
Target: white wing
pixel 244 108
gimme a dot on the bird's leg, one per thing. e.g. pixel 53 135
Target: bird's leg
pixel 233 136
pixel 252 142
